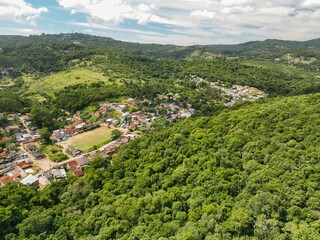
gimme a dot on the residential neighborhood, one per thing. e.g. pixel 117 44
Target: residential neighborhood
pixel 233 94
pixel 22 153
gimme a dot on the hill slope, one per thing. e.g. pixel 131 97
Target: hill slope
pixel 247 173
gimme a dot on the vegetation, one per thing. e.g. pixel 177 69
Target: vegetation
pixel 55 153
pixel 247 173
pixel 115 134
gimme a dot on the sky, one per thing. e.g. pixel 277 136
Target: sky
pixel 180 22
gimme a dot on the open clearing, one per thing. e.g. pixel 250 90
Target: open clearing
pixel 87 140
pixel 57 81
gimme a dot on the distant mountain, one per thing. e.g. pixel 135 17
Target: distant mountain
pixel 269 48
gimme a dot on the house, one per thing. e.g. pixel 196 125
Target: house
pixel 74 151
pixel 15 128
pixel 124 116
pixel 43 182
pixel 99 113
pixel 115 122
pixel 30 180
pixel 5 180
pixel 21 156
pixel 31 148
pixel 23 165
pixel 124 140
pixel 38 155
pixel 14 176
pixel 122 107
pixel 58 173
pixel 72 164
pixel 83 161
pixel 78 172
pixel 11 117
pixel 109 121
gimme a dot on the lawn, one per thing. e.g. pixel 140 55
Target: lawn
pixel 86 141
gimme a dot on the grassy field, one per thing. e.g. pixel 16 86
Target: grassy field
pixel 56 81
pixel 86 141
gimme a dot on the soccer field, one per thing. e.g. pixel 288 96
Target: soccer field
pixel 87 140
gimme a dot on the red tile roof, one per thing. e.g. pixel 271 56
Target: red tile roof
pixel 16 175
pixel 42 186
pixel 4 139
pixel 3 154
pixel 24 165
pixel 15 127
pixel 6 179
pixel 78 172
pixel 73 164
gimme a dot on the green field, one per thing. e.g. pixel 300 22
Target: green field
pixel 56 81
pixel 86 141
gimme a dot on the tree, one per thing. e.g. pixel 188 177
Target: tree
pixel 45 134
pixel 115 134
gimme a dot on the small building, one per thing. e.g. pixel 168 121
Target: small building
pixel 83 161
pixel 31 148
pixel 5 180
pixel 30 180
pixel 124 116
pixel 74 151
pixel 78 172
pixel 23 165
pixel 38 155
pixel 109 121
pixel 115 122
pixel 58 173
pixel 72 164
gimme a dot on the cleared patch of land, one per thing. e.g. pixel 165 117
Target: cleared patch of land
pixel 50 84
pixel 86 141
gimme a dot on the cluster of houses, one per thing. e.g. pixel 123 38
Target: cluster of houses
pixel 117 115
pixel 17 161
pixel 16 171
pixel 112 146
pixel 238 92
pixel 232 94
pixel 159 108
pixel 15 133
pixel 77 126
pixel 26 173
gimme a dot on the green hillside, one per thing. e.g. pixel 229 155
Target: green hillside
pixel 251 172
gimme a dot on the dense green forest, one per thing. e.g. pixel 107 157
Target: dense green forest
pixel 249 172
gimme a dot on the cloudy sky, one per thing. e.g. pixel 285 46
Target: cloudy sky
pixel 182 22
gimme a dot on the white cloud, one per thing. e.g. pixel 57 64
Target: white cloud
pixel 20 11
pixel 209 21
pixel 229 3
pixel 311 3
pixel 203 14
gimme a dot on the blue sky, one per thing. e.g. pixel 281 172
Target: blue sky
pixel 182 22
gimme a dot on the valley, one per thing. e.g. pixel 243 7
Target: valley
pixel 103 139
